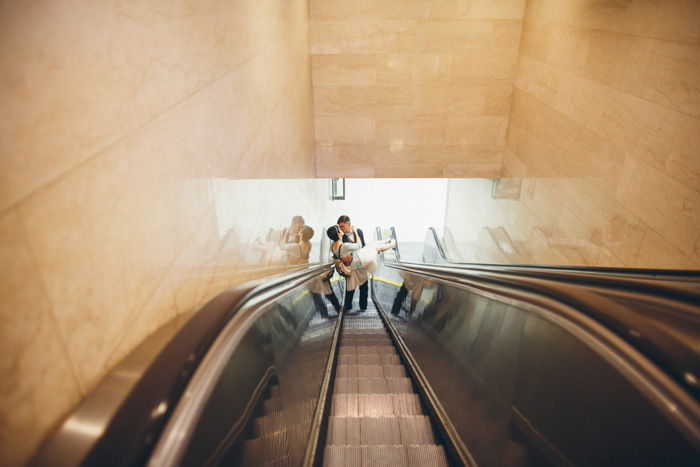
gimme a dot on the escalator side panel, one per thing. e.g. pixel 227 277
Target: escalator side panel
pixel 520 389
pixel 263 402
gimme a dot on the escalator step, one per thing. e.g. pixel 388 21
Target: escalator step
pixel 384 455
pixel 343 430
pixel 416 430
pixel 272 405
pixel 266 449
pixel 349 456
pixel 282 462
pixel 413 456
pixel 379 430
pixel 426 456
pixel 366 350
pixel 373 386
pixel 354 331
pixel 376 405
pixel 355 405
pixel 407 404
pixel 370 371
pixel 372 359
pixel 399 385
pixel 405 430
pixel 268 424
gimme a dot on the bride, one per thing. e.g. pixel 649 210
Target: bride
pixel 354 254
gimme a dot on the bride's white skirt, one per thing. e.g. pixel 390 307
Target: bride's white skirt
pixel 368 254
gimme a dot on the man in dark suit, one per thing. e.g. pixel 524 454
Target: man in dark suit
pixel 358 276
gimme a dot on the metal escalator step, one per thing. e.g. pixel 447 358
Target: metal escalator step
pixel 394 371
pixel 366 343
pixel 266 449
pixel 372 386
pixel 349 456
pixel 376 405
pixel 390 359
pixel 359 360
pixel 268 424
pixel 343 430
pixel 416 430
pixel 370 359
pixel 356 405
pixel 372 342
pixel 370 371
pixel 353 331
pixel 402 385
pixel 384 386
pixel 426 456
pixel 272 405
pixel 384 455
pixel 345 386
pixel 380 430
pixel 366 350
pixel 379 455
pixel 407 404
pixel 282 462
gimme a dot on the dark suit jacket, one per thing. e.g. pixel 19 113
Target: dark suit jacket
pixel 359 233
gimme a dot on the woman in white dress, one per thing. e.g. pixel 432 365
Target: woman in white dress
pixel 362 257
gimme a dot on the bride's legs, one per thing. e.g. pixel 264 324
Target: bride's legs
pixel 387 244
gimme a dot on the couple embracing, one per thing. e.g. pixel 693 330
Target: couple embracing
pixel 350 248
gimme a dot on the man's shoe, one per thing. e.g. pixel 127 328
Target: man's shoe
pixel 362 310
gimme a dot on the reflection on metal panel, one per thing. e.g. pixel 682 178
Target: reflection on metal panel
pixel 263 403
pixel 522 389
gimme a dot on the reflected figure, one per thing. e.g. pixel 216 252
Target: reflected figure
pixel 294 248
pixel 319 287
pixel 411 284
pixel 298 253
pixel 291 233
pixel 586 250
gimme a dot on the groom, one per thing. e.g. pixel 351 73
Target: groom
pixel 358 277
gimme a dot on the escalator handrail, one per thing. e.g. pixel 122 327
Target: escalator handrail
pixel 650 273
pixel 173 440
pixel 658 343
pixel 131 423
pixel 670 365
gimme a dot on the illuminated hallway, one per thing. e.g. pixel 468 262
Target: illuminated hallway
pixel 145 144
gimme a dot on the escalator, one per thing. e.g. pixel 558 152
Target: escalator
pixel 450 365
pixel 377 417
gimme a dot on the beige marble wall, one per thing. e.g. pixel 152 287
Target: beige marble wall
pixel 605 124
pixel 120 124
pixel 418 88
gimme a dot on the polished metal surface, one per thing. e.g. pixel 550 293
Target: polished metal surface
pixel 528 367
pixel 281 329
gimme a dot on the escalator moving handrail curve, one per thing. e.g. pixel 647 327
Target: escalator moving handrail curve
pixel 640 273
pixel 175 436
pixel 677 362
